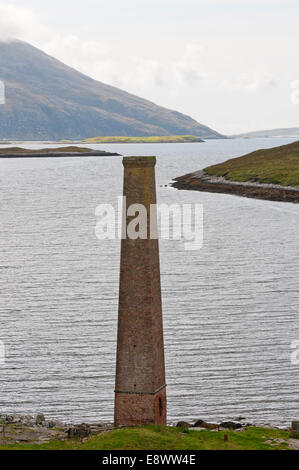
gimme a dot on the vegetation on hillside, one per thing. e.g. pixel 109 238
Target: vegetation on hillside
pixel 278 165
pixel 169 438
pixel 172 139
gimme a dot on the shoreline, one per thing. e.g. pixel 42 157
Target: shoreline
pixel 95 153
pixel 201 181
pixel 18 432
pixel 16 428
pixel 28 429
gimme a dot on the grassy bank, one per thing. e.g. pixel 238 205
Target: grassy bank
pixel 169 438
pixel 143 140
pixel 279 165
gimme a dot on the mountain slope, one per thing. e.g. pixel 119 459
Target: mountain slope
pixel 283 132
pixel 45 99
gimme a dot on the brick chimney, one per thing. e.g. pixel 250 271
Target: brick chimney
pixel 140 390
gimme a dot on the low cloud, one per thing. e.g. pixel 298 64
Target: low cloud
pixel 189 69
pixel 250 82
pixel 20 23
pixel 90 57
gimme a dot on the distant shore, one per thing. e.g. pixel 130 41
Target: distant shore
pixel 168 139
pixel 201 181
pixel 18 152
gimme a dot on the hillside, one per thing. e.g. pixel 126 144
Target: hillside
pixel 283 132
pixel 278 165
pixel 47 100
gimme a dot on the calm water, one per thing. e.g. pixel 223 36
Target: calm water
pixel 230 309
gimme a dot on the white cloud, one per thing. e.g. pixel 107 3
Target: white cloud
pixel 19 22
pixel 189 69
pixel 11 19
pixel 250 82
pixel 141 74
pixel 88 56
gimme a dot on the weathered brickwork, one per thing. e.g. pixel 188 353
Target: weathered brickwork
pixel 140 393
pixel 134 409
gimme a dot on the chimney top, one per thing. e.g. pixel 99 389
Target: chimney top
pixel 139 161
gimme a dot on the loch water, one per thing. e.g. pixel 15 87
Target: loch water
pixel 231 309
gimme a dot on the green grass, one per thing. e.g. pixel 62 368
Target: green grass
pixel 145 140
pixel 167 438
pixel 294 434
pixel 279 165
pixel 16 150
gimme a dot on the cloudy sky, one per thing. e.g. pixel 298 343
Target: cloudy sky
pixel 230 64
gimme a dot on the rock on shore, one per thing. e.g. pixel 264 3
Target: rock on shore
pixel 15 429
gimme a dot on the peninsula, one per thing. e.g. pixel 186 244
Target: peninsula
pixel 18 152
pixel 271 174
pixel 167 139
